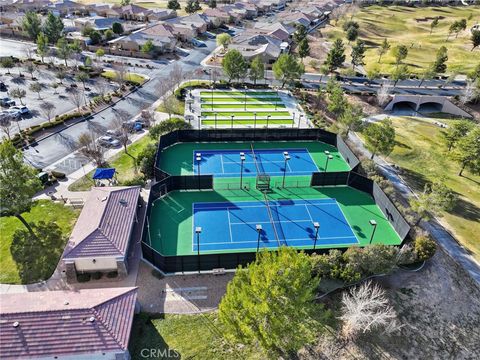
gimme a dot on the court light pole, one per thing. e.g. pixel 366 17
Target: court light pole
pixel 255 120
pixel 316 225
pixel 286 156
pixel 329 157
pixel 242 160
pixel 258 227
pixel 198 158
pixel 374 224
pixel 231 125
pixel 293 123
pixel 268 119
pixel 198 231
pixel 215 121
pixel 211 88
pixel 245 103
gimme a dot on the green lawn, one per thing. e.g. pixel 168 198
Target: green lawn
pixel 242 106
pixel 189 336
pixel 248 122
pixel 179 106
pixel 122 162
pixel 420 153
pixel 209 100
pixel 246 113
pixel 228 92
pixel 45 210
pixel 409 26
pixel 134 78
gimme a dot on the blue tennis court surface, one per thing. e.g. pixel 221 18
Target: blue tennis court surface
pixel 230 226
pixel 226 163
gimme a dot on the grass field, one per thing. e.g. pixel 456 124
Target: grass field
pixel 149 4
pixel 122 162
pixel 240 100
pixel 239 93
pixel 411 27
pixel 422 157
pixel 248 122
pixel 44 210
pixel 260 114
pixel 242 106
pixel 134 78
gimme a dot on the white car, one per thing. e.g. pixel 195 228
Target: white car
pixel 15 114
pixel 108 141
pixel 23 110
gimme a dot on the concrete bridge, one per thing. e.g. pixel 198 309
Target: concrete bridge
pixel 425 104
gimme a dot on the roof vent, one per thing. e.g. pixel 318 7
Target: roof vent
pixel 92 319
pixel 104 198
pixel 16 324
pixel 66 302
pixel 123 202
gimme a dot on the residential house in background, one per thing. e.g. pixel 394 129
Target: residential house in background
pixel 105 10
pixel 65 7
pixel 101 237
pixel 98 23
pixel 162 36
pixel 82 324
pixel 217 16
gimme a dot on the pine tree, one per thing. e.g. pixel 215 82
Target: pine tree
pixel 358 54
pixel 336 56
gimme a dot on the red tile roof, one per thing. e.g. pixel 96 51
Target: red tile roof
pixel 61 323
pixel 103 228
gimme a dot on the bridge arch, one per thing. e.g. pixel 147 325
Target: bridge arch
pixel 404 105
pixel 430 107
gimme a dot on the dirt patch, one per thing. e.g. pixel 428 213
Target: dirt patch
pixel 439 309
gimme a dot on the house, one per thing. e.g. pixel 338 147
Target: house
pixel 105 10
pixel 100 240
pixel 297 17
pixel 162 36
pixel 11 21
pixel 134 12
pixel 81 324
pixel 64 7
pixel 278 30
pixel 199 22
pixel 251 11
pixel 33 5
pixel 235 14
pixel 217 16
pixel 98 23
pixel 161 14
pixel 268 52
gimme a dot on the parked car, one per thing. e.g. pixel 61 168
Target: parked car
pixel 23 110
pixel 15 114
pixel 198 43
pixel 3 87
pixel 210 35
pixel 6 101
pixel 114 133
pixel 133 125
pixel 108 141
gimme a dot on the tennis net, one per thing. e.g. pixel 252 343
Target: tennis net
pixel 267 204
pixel 258 164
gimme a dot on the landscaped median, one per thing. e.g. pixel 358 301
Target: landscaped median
pixel 132 78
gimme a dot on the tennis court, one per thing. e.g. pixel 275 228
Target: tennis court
pixel 227 163
pixel 233 225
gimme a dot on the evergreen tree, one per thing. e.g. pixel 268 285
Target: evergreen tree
pixel 53 28
pixel 352 34
pixel 287 69
pixel 475 39
pixel 440 66
pixel 336 56
pixel 234 65
pixel 31 24
pixel 117 28
pixel 42 45
pixel 400 53
pixel 257 69
pixel 467 152
pixel 383 49
pixel 300 33
pixel 212 4
pixel 380 137
pixel 358 54
pixel 303 49
pixel 173 5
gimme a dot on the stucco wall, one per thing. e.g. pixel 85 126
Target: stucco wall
pixel 100 264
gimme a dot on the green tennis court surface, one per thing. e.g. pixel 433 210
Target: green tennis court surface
pixel 231 93
pixel 248 122
pixel 171 221
pixel 249 106
pixel 178 159
pixel 260 114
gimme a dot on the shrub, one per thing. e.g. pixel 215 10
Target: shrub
pixel 137 180
pixel 112 274
pixel 157 274
pixel 97 275
pixel 58 175
pixel 424 247
pixel 83 277
pixel 146 160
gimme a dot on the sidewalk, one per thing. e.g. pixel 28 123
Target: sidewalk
pixel 455 250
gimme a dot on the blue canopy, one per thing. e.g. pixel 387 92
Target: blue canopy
pixel 104 173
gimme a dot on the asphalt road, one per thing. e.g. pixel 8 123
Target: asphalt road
pixel 58 146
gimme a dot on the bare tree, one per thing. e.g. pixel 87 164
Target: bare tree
pixel 29 52
pixel 47 109
pixel 469 93
pixel 90 148
pixel 383 93
pixel 120 73
pixel 76 98
pixel 170 105
pixel 148 117
pixel 176 75
pixel 216 75
pixel 124 132
pixel 6 124
pixel 101 87
pixel 366 308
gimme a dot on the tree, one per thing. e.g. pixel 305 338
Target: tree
pixel 148 47
pixel 90 148
pixel 42 45
pixel 425 247
pixel 173 5
pixel 95 37
pixel 427 74
pixel 37 256
pixel 82 77
pixel 18 183
pixel 440 66
pixel 117 28
pixel 380 137
pixel 212 4
pixel 358 54
pixel 383 93
pixel 351 117
pixel 475 39
pixel 352 34
pixel 7 63
pixel 109 35
pixel 470 92
pixel 53 28
pixel 192 6
pixel 234 65
pixel 47 109
pixel 146 160
pixel 170 104
pixel 303 49
pixel 31 24
pixel 287 69
pixel 433 24
pixel 224 40
pixel 383 49
pixel 64 51
pixel 167 126
pixel 257 69
pixel 60 75
pixel 400 53
pixel 372 260
pixel 461 26
pixel 76 98
pixel 475 73
pixel 435 198
pixel 336 56
pixel 31 68
pixel 300 33
pixel 125 2
pixel 336 98
pixel 36 87
pixel 399 73
pixel 6 123
pixel 272 303
pixel 455 132
pixel 367 308
pixel 18 93
pixel 467 152
pixel 99 54
pixel 373 73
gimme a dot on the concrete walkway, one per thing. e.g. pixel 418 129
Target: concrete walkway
pixel 443 237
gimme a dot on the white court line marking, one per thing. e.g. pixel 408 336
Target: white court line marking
pixel 308 212
pixel 221 162
pixel 229 226
pixel 255 206
pixel 268 222
pixel 299 239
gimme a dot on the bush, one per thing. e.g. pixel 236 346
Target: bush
pixel 58 175
pixel 137 180
pixel 146 160
pixel 97 275
pixel 112 274
pixel 83 277
pixel 157 274
pixel 424 247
